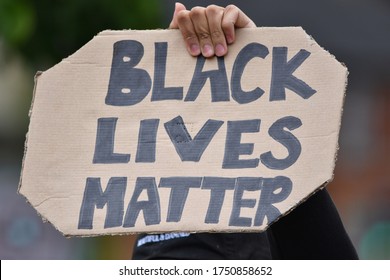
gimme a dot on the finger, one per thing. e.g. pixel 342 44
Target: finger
pixel 201 26
pixel 178 8
pixel 188 32
pixel 233 17
pixel 214 17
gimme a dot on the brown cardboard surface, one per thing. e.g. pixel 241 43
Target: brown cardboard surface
pixel 222 160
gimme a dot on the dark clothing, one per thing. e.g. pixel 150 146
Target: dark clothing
pixel 311 231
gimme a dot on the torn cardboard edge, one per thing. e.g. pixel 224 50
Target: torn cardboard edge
pixel 135 232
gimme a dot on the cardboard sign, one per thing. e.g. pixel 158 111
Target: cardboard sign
pixel 131 134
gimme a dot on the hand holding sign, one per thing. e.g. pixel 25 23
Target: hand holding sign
pixel 209 30
pixel 131 134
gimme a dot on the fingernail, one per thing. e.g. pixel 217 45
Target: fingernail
pixel 195 50
pixel 220 50
pixel 208 50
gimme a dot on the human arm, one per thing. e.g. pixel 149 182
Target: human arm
pixel 314 229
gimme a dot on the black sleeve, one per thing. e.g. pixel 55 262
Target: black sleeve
pixel 202 246
pixel 313 230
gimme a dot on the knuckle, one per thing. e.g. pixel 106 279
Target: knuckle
pixel 231 7
pixel 197 11
pixel 183 16
pixel 204 35
pixel 214 9
pixel 216 34
pixel 190 37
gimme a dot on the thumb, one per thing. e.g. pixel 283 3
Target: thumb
pixel 178 8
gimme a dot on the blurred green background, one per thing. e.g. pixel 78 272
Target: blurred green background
pixel 37 34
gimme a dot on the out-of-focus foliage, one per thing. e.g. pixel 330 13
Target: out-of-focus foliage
pixel 35 35
pixel 45 31
pixel 16 20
